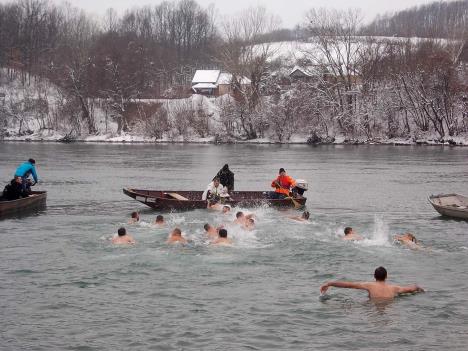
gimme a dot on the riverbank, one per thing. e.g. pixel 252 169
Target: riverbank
pixel 296 140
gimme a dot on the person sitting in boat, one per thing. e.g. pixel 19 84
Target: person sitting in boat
pixel 122 237
pixel 408 240
pixel 223 239
pixel 350 234
pixel 215 192
pixel 25 170
pixel 226 177
pixel 176 237
pixel 283 185
pixel 14 190
pixel 160 220
pixel 134 219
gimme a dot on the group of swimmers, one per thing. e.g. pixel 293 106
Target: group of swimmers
pixel 407 239
pixel 216 235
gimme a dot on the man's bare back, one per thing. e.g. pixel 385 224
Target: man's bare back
pixel 376 290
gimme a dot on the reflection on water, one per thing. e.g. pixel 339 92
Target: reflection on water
pixel 60 269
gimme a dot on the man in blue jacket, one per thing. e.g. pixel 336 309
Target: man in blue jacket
pixel 25 170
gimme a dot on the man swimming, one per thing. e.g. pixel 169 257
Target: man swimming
pixel 134 219
pixel 211 231
pixel 176 237
pixel 159 220
pixel 303 218
pixel 223 239
pixel 122 237
pixel 350 234
pixel 408 240
pixel 242 218
pixel 226 209
pixel 249 224
pixel 376 290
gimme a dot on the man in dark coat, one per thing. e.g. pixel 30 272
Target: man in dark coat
pixel 226 177
pixel 14 190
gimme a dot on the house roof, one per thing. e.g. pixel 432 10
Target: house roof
pixel 305 71
pixel 204 86
pixel 226 78
pixel 206 76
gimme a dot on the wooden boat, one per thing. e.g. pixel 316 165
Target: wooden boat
pixel 35 201
pixel 450 205
pixel 189 200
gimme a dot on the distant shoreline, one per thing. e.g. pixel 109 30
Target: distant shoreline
pixel 450 143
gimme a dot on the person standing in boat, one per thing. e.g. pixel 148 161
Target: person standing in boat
pixel 215 192
pixel 283 185
pixel 25 170
pixel 226 177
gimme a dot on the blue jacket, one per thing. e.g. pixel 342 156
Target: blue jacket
pixel 25 169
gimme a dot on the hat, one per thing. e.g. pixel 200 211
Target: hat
pixel 281 170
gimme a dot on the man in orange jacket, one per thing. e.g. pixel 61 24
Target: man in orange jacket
pixel 283 185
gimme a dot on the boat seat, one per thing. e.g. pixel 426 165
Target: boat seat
pixel 176 196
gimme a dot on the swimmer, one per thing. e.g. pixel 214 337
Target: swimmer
pixel 223 239
pixel 249 224
pixel 376 290
pixel 407 239
pixel 176 237
pixel 350 234
pixel 122 237
pixel 242 218
pixel 135 218
pixel 211 231
pixel 303 218
pixel 160 220
pixel 226 209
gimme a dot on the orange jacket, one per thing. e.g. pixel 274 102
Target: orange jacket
pixel 285 182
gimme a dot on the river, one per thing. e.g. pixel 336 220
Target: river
pixel 65 287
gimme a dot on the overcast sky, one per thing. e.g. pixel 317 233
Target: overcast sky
pixel 290 11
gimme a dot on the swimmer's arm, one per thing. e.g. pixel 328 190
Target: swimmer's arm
pixel 409 289
pixel 347 285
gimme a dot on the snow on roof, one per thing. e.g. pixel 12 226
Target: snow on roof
pixel 205 76
pixel 226 78
pixel 305 71
pixel 204 86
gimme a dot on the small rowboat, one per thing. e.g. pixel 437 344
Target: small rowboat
pixel 34 202
pixel 189 200
pixel 450 205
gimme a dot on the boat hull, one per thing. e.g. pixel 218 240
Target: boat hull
pixel 160 200
pixel 450 205
pixel 34 202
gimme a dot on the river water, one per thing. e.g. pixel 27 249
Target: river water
pixel 65 287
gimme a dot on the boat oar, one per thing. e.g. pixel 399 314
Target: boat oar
pixel 296 204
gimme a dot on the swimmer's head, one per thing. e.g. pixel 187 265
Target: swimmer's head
pixel 159 219
pixel 306 215
pixel 348 230
pixel 177 232
pixel 121 231
pixel 411 237
pixel 135 215
pixel 207 226
pixel 226 208
pixel 380 274
pixel 222 233
pixel 239 214
pixel 251 221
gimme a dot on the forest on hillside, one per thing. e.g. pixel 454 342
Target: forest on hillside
pixel 61 66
